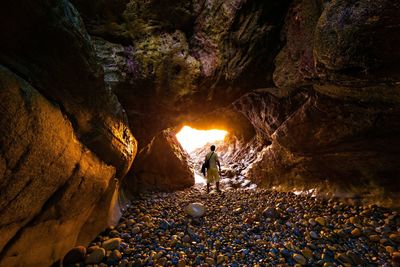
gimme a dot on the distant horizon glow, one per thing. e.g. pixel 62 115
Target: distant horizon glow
pixel 191 138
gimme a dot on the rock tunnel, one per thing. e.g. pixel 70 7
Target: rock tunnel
pixel 93 94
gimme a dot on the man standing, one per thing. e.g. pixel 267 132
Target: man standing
pixel 212 170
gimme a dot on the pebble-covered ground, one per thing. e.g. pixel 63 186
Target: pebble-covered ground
pixel 247 228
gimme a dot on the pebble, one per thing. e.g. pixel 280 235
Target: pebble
pixel 195 209
pixel 112 243
pixel 135 230
pixel 299 259
pixel 220 259
pixel 96 256
pixel 396 258
pixel 343 258
pixel 181 263
pixel 210 261
pixel 356 232
pixel 314 235
pixel 75 255
pixel 280 229
pixel 395 237
pixel 320 221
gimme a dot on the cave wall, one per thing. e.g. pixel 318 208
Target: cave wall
pixel 316 84
pixel 64 137
pixel 333 118
pixel 164 60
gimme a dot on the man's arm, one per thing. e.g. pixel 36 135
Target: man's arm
pixel 217 161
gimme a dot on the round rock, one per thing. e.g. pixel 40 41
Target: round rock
pixel 96 256
pixel 195 209
pixel 75 255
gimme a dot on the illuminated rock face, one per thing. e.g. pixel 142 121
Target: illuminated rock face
pixel 347 148
pixel 329 118
pixel 161 166
pixel 63 136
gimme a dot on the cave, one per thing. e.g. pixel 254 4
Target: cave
pixel 94 99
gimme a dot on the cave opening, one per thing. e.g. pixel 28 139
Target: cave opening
pixel 93 94
pixel 193 139
pixel 197 143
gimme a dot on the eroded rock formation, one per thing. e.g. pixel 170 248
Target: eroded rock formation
pixel 161 166
pixel 314 86
pixel 64 137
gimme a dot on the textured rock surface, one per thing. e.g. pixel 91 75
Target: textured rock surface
pixel 183 57
pixel 330 122
pixel 64 137
pixel 50 182
pixel 335 146
pixel 49 47
pixel 161 166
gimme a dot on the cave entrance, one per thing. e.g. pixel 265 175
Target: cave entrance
pixel 197 142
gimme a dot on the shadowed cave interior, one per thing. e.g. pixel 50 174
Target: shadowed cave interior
pixel 94 94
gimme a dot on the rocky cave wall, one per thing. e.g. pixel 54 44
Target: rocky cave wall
pixel 64 138
pixel 311 87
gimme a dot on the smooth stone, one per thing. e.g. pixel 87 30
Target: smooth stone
pixel 115 255
pixel 320 221
pixel 396 257
pixel 299 258
pixel 112 243
pixel 270 212
pixel 195 209
pixel 307 253
pixel 312 222
pixel 356 232
pixel 314 235
pixel 135 230
pixel 355 258
pixel 75 255
pixel 220 259
pixel 374 238
pixel 96 256
pixel 210 261
pixel 389 249
pixel 181 263
pixel 343 258
pixel 395 237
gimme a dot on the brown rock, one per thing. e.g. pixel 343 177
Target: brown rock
pixel 96 256
pixel 356 232
pixel 161 166
pixel 75 255
pixel 49 159
pixel 112 243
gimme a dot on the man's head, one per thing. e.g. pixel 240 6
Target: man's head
pixel 212 148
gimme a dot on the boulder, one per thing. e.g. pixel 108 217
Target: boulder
pixel 64 136
pixel 195 209
pixel 51 182
pixel 161 166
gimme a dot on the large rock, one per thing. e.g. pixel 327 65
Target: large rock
pixel 48 46
pixel 161 166
pixel 295 65
pixel 49 181
pixel 64 136
pixel 336 146
pixel 356 42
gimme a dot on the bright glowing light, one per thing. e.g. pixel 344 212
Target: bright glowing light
pixel 192 139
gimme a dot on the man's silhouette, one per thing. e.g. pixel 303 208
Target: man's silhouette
pixel 212 171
